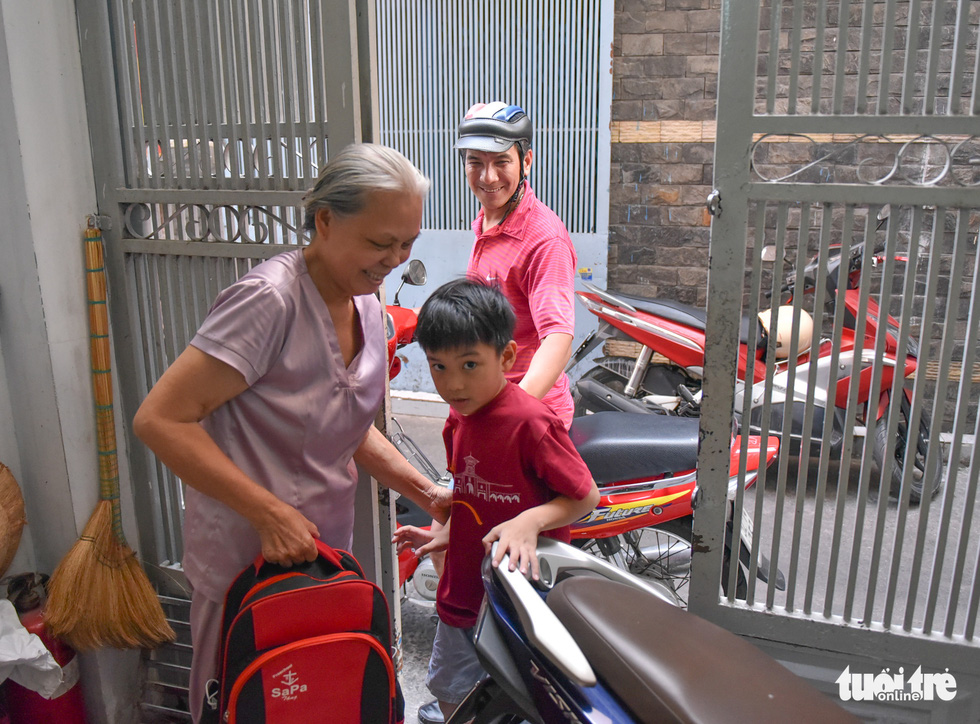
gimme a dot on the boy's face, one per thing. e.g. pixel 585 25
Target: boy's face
pixel 469 377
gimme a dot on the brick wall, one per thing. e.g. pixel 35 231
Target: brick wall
pixel 665 58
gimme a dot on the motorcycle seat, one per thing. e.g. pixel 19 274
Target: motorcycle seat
pixel 621 446
pixel 668 665
pixel 691 316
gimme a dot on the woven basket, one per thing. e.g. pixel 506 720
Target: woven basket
pixel 12 518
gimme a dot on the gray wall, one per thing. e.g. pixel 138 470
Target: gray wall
pixel 47 426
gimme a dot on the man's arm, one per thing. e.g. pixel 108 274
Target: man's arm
pixel 547 364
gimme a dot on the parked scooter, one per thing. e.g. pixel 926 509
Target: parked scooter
pixel 645 468
pixel 578 646
pixel 671 382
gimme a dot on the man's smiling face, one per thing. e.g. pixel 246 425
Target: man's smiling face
pixel 493 177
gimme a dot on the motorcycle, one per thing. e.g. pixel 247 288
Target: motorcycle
pixel 645 468
pixel 576 646
pixel 670 382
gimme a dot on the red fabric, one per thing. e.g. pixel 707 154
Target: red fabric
pixel 511 455
pixel 286 616
pixel 317 679
pixel 531 256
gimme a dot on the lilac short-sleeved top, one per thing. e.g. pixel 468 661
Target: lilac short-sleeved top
pixel 296 427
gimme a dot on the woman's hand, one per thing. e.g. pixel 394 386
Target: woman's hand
pixel 287 536
pixel 440 501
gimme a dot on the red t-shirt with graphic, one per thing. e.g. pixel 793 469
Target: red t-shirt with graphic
pixel 531 257
pixel 512 454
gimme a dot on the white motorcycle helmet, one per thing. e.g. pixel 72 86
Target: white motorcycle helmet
pixel 784 331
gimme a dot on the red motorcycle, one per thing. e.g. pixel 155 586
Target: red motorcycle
pixel 670 382
pixel 646 469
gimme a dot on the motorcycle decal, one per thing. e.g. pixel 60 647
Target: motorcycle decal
pixel 554 695
pixel 621 511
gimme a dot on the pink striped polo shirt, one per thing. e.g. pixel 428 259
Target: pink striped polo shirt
pixel 531 257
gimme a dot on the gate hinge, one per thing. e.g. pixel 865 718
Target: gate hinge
pixel 96 221
pixel 714 202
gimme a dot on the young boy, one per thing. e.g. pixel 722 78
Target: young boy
pixel 515 471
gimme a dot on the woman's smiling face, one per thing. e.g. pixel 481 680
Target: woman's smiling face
pixel 357 252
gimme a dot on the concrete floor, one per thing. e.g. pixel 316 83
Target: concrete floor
pixel 418 629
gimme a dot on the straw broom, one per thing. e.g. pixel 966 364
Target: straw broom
pixel 99 594
pixel 12 518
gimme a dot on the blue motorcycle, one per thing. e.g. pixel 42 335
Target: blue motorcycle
pixel 591 643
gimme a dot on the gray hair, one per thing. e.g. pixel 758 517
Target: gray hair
pixel 353 174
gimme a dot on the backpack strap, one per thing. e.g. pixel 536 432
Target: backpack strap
pixel 322 549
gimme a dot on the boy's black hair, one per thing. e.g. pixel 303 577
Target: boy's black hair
pixel 462 313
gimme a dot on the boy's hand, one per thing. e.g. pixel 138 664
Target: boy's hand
pixel 421 540
pixel 519 539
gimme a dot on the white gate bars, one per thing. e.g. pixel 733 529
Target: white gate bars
pixel 436 58
pixel 850 127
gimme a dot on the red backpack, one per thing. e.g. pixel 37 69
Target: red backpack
pixel 310 643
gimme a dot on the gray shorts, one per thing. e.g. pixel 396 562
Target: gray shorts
pixel 453 667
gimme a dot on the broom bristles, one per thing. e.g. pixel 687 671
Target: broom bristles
pixel 99 595
pixel 12 518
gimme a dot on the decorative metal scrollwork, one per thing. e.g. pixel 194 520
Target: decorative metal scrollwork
pixel 225 223
pixel 923 160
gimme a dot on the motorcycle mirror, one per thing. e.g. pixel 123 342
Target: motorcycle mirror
pixel 768 253
pixel 413 275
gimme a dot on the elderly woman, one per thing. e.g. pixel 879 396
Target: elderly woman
pixel 263 413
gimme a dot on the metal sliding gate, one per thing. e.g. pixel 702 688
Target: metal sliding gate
pixel 438 57
pixel 209 121
pixel 851 127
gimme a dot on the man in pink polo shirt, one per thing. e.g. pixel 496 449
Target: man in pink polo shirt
pixel 522 246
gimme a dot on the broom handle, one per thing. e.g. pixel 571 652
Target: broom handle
pixel 105 423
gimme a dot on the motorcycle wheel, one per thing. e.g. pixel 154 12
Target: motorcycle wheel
pixel 680 528
pixel 925 473
pixel 664 556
